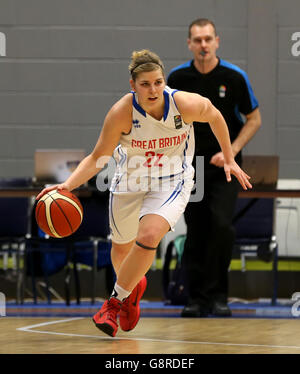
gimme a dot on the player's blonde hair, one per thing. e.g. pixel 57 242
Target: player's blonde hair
pixel 144 61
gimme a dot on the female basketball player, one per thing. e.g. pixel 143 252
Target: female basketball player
pixel 149 131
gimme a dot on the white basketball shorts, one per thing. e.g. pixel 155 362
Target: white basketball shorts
pixel 166 197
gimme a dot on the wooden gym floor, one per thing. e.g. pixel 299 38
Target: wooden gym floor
pixel 40 335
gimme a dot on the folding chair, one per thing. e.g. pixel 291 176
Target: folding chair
pixel 88 245
pixel 254 223
pixel 14 226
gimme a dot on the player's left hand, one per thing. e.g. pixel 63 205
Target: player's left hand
pixel 242 177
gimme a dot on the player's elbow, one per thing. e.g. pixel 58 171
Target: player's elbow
pixel 256 119
pixel 100 160
pixel 207 104
pixel 258 122
pixel 213 113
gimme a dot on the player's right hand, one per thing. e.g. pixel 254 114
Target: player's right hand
pixel 59 187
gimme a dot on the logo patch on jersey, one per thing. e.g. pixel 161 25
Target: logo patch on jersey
pixel 222 91
pixel 136 124
pixel 178 122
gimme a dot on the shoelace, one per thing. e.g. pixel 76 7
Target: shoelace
pixel 111 312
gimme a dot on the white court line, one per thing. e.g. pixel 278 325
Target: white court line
pixel 29 329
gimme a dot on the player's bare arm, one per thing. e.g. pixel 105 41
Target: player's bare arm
pixel 116 122
pixel 195 108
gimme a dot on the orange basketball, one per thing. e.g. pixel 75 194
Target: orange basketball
pixel 59 213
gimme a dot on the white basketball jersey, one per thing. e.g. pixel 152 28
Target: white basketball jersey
pixel 155 148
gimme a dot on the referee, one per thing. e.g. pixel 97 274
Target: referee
pixel 210 235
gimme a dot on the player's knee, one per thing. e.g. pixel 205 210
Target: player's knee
pixel 149 238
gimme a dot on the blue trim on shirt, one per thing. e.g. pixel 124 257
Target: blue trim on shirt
pixel 184 164
pixel 167 105
pixel 182 66
pixel 237 113
pixel 122 155
pixel 228 65
pixel 174 98
pixel 141 110
pixel 137 106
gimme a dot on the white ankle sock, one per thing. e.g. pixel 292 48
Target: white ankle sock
pixel 119 292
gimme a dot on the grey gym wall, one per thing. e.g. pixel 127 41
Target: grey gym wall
pixel 66 64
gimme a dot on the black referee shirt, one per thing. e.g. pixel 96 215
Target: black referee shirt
pixel 228 88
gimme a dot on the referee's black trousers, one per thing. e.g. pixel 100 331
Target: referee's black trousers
pixel 210 239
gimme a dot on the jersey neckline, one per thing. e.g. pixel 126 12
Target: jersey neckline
pixel 145 114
